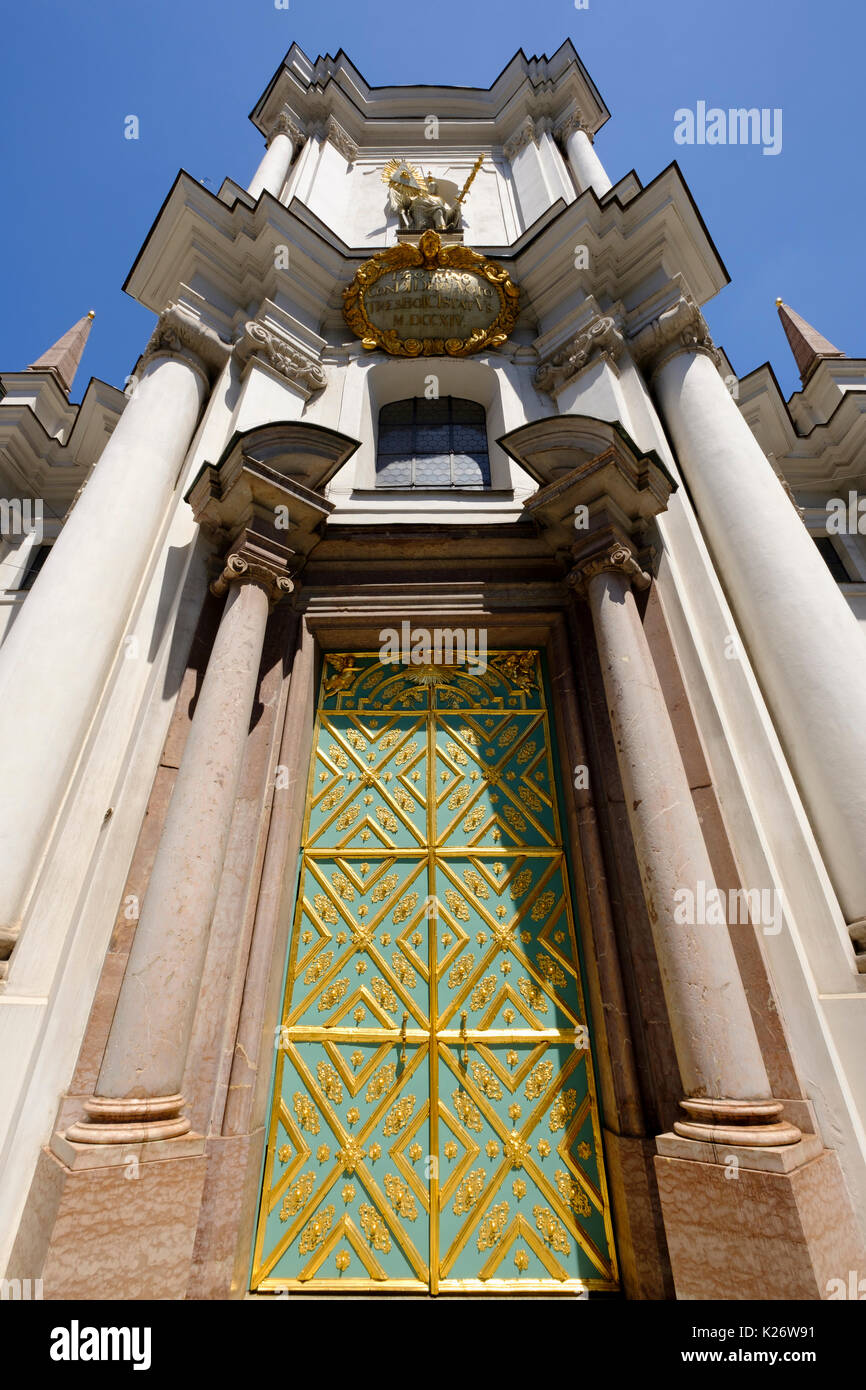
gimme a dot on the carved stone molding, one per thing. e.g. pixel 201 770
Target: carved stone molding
pixel 524 135
pixel 787 489
pixel 615 557
pixel 284 125
pixel 240 570
pixel 179 334
pixel 130 1120
pixel 339 138
pixel 298 367
pixel 681 328
pixel 568 125
pixel 600 337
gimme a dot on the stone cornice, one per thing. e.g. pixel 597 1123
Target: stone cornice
pixel 811 457
pixel 601 337
pixel 527 85
pixel 680 328
pixel 52 466
pixel 234 247
pixel 264 498
pixel 179 334
pixel 593 478
pixel 300 369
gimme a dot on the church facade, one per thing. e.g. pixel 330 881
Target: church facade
pixel 432 688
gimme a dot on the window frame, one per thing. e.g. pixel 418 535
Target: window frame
pixel 413 457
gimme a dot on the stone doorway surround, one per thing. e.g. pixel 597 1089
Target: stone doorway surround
pixel 173 1217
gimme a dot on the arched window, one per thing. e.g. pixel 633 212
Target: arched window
pixel 441 443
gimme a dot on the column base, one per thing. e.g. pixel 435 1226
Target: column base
pixel 111 1221
pixel 749 1123
pixel 132 1120
pixel 760 1222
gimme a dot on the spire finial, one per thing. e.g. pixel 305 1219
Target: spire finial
pixel 64 357
pixel 808 345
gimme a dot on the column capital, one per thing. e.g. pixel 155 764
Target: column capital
pixel 179 333
pixel 601 337
pixel 679 328
pixel 340 139
pixel 257 568
pixel 524 135
pixel 299 368
pixel 284 125
pixel 569 123
pixel 614 556
pixel 329 129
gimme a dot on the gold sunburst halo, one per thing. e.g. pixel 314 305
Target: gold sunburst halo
pixel 397 166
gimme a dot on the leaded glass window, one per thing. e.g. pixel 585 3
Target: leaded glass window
pixel 432 444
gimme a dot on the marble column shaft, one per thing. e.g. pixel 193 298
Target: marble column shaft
pixel 147 1046
pixel 714 1036
pixel 274 168
pixel 585 163
pixel 57 655
pixel 801 636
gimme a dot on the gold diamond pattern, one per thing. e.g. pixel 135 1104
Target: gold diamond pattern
pixel 434 1002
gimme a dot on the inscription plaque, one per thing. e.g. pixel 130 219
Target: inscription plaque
pixel 424 298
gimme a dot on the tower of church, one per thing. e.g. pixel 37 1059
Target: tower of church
pixel 432 713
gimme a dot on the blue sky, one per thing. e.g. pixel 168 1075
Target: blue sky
pixel 79 199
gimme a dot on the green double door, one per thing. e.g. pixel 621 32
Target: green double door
pixel 434 1123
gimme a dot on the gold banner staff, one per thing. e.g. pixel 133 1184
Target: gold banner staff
pixel 476 166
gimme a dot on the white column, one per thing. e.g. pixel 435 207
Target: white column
pixel 138 1090
pixel 277 159
pixel 802 637
pixel 56 658
pixel 580 152
pixel 721 1066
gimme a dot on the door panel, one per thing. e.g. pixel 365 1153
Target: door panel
pixel 434 1123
